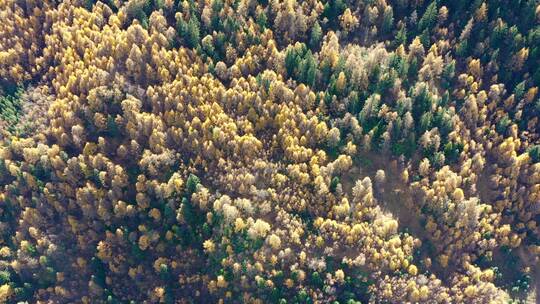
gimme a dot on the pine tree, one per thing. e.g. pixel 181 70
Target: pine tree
pixel 193 33
pixel 502 125
pixel 429 18
pixel 292 60
pixel 300 64
pixel 10 108
pixel 334 183
pixel 519 90
pixel 262 21
pixel 534 153
pixel 388 20
pixel 448 74
pixel 401 36
pixel 462 49
pixel 192 183
pixel 309 69
pixel 316 35
pixel 332 9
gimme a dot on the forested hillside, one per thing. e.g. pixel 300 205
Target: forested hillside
pixel 243 151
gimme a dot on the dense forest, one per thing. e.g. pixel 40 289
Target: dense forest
pixel 244 151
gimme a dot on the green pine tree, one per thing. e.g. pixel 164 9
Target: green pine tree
pixel 429 18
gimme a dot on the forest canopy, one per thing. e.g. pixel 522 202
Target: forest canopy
pixel 244 151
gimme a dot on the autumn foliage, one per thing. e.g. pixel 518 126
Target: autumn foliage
pixel 269 151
